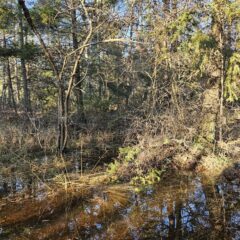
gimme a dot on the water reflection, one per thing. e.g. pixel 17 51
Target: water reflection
pixel 11 186
pixel 184 209
pixel 192 211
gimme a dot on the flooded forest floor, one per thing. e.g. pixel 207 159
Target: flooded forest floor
pixel 107 187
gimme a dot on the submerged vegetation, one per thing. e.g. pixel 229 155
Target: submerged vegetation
pixel 107 106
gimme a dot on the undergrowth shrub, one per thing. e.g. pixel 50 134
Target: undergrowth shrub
pixel 152 177
pixel 126 155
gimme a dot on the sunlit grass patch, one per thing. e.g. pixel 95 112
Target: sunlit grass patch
pixel 213 165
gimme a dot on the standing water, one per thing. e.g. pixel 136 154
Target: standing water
pixel 184 208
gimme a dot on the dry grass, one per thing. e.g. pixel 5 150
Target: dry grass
pixel 151 153
pixel 213 165
pixel 230 148
pixel 13 138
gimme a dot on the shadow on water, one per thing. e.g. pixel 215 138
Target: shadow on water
pixel 180 208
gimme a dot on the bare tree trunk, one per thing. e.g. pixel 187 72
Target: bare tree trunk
pixel 11 99
pixel 10 88
pixel 61 138
pixel 63 98
pixel 62 121
pixel 26 94
pixel 218 33
pixel 17 82
pixel 4 86
pixel 78 81
pixel 175 15
pixel 222 80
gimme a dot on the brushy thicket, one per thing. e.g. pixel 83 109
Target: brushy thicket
pixel 163 144
pixel 156 81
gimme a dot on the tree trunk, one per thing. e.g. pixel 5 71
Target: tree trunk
pixel 4 86
pixel 11 99
pixel 78 83
pixel 62 122
pixel 26 94
pixel 221 88
pixel 10 88
pixel 63 97
pixel 17 82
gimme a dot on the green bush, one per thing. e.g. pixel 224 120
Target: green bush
pixel 153 176
pixel 128 154
pixel 113 167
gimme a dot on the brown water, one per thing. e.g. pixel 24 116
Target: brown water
pixel 178 208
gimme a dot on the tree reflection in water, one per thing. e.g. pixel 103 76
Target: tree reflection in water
pixel 184 209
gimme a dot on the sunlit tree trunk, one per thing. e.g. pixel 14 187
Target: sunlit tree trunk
pixel 218 28
pixel 221 87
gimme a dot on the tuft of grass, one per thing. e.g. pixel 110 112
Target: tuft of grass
pixel 213 165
